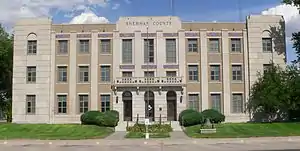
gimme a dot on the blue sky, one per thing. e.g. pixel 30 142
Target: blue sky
pixel 187 10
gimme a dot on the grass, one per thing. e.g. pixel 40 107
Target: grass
pixel 244 130
pixel 52 132
pixel 142 135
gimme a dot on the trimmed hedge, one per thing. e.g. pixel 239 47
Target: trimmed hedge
pixel 184 112
pixel 213 115
pixel 192 118
pixel 107 119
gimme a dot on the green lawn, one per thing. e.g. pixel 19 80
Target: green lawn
pixel 142 135
pixel 244 130
pixel 58 131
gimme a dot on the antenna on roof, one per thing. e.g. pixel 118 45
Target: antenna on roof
pixel 240 11
pixel 172 7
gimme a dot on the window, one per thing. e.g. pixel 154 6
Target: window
pixel 214 45
pixel 170 50
pixel 171 73
pixel 63 46
pixel 126 74
pixel 127 51
pixel 105 73
pixel 105 103
pixel 266 67
pixel 236 45
pixel 84 46
pixel 83 103
pixel 105 46
pixel 61 103
pixel 193 72
pixel 149 50
pixel 237 73
pixel 216 102
pixel 237 103
pixel 193 45
pixel 30 104
pixel 215 72
pixel 149 74
pixel 83 74
pixel 31 74
pixel 194 101
pixel 31 47
pixel 267 44
pixel 62 74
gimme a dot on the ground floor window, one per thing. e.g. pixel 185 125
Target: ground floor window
pixel 194 101
pixel 62 104
pixel 83 103
pixel 216 102
pixel 30 104
pixel 105 102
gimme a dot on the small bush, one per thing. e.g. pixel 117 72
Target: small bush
pixel 154 128
pixel 90 117
pixel 184 112
pixel 192 118
pixel 213 115
pixel 107 120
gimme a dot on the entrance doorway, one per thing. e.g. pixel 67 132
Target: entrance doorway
pixel 171 106
pixel 149 105
pixel 127 105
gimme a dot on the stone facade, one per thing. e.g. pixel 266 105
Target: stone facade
pixel 106 83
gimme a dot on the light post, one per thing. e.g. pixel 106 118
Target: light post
pixel 147 120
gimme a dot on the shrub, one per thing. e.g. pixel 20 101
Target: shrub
pixel 192 118
pixel 114 113
pixel 213 115
pixel 90 117
pixel 184 112
pixel 107 120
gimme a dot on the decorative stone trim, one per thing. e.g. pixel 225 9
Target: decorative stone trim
pixel 127 66
pixel 126 34
pixel 171 66
pixel 84 35
pixel 105 35
pixel 149 66
pixel 62 36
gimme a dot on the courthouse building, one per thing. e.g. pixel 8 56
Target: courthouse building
pixel 143 67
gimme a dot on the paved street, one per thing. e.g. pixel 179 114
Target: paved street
pixel 263 144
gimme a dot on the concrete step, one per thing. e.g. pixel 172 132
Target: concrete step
pixel 176 126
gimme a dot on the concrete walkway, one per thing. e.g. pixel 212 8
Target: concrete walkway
pixel 120 135
pixel 178 135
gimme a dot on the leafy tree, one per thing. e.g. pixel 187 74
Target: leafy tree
pixel 6 64
pixel 267 95
pixel 296 35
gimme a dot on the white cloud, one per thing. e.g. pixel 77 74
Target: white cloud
pixel 116 6
pixel 291 16
pixel 127 1
pixel 11 10
pixel 88 17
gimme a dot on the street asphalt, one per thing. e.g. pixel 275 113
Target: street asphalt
pixel 251 144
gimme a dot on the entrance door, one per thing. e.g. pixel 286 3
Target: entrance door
pixel 149 105
pixel 127 105
pixel 171 106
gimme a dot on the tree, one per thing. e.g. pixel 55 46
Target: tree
pixel 267 95
pixel 296 35
pixel 6 64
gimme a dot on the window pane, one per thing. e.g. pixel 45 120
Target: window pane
pixel 171 50
pixel 149 50
pixel 105 45
pixel 127 51
pixel 192 45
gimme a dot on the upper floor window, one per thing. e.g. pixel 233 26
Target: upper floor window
pixel 30 104
pixel 83 74
pixel 171 73
pixel 63 46
pixel 267 44
pixel 84 46
pixel 105 45
pixel 149 50
pixel 237 73
pixel 192 45
pixel 31 74
pixel 149 74
pixel 214 45
pixel 193 72
pixel 31 47
pixel 236 45
pixel 215 72
pixel 62 75
pixel 127 51
pixel 170 50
